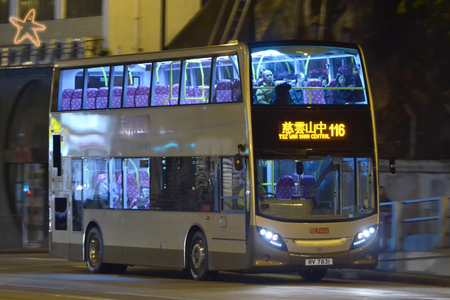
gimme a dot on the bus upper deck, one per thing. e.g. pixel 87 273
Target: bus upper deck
pixel 304 74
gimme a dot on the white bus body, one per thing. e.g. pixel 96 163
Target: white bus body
pixel 144 177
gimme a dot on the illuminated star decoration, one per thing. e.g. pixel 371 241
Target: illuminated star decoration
pixel 28 27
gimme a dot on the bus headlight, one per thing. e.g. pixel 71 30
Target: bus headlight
pixel 364 236
pixel 271 238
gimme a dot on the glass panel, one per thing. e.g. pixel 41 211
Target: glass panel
pixel 60 214
pixel 43 8
pixel 96 96
pixel 167 83
pixel 70 89
pixel 185 184
pixel 227 81
pixel 115 183
pixel 83 8
pixel 95 183
pixel 233 186
pixel 117 83
pixel 328 188
pixel 4 11
pixel 296 75
pixel 77 190
pixel 138 84
pixel 197 81
pixel 136 183
pixel 133 73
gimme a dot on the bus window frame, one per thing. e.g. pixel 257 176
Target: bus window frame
pixel 182 59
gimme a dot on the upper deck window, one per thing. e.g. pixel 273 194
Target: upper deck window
pixel 197 78
pixel 227 83
pixel 167 83
pixel 187 81
pixel 307 75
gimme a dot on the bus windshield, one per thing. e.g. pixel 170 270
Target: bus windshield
pixel 320 188
pixel 307 75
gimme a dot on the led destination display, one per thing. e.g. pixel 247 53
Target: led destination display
pixel 301 130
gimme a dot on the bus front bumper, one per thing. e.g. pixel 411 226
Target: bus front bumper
pixel 265 258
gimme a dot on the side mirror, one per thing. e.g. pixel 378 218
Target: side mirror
pixel 299 167
pixel 238 162
pixel 392 165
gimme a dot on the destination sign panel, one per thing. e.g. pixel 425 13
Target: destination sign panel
pixel 310 130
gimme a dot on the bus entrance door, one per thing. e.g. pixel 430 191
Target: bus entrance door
pixel 66 235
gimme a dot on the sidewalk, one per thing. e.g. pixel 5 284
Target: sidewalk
pixel 375 275
pixel 421 267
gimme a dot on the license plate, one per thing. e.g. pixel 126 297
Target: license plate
pixel 319 262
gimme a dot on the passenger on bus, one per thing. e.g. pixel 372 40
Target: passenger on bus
pixel 146 194
pixel 342 96
pixel 101 194
pixel 324 80
pixel 282 96
pixel 264 95
pixel 355 81
pixel 297 94
pixel 116 195
pixel 141 202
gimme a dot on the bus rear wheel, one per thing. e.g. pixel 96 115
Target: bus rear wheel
pixel 198 258
pixel 313 275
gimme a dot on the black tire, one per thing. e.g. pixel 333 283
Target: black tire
pixel 94 252
pixel 313 275
pixel 198 258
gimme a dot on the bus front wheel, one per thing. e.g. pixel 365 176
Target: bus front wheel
pixel 94 252
pixel 313 274
pixel 198 258
pixel 94 255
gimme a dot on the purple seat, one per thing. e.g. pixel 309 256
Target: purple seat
pixel 332 84
pixel 161 94
pixel 117 97
pixel 75 102
pixel 317 96
pixel 236 91
pixel 101 101
pixel 190 95
pixel 203 93
pixel 91 94
pixel 307 183
pixel 223 91
pixel 347 69
pixel 143 179
pixel 65 99
pixel 132 189
pixel 131 91
pixel 285 188
pixel 190 91
pixel 141 97
pixel 174 99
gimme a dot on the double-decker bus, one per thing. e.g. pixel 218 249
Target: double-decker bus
pixel 247 157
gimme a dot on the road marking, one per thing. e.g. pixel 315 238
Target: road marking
pixel 46 259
